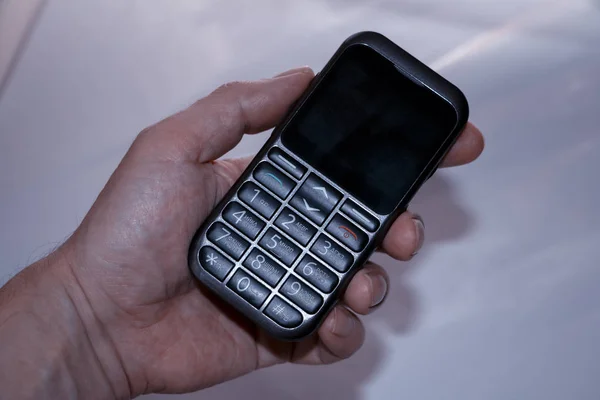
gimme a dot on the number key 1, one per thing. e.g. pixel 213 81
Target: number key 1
pixel 260 201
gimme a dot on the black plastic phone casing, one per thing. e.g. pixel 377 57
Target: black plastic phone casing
pixel 411 68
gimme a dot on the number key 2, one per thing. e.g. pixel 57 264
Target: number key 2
pixel 295 226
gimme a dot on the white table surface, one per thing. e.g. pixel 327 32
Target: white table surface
pixel 503 302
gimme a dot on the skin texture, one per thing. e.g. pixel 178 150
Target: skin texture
pixel 115 313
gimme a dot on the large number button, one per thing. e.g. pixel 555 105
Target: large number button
pixel 249 288
pixel 244 220
pixel 360 216
pixel 214 262
pixel 274 180
pixel 261 202
pixel 347 233
pixel 295 226
pixel 328 251
pixel 280 247
pixel 317 274
pixel 301 295
pixel 282 313
pixel 227 240
pixel 287 163
pixel 264 267
pixel 315 199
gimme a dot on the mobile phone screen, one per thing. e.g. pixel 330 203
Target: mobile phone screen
pixel 370 129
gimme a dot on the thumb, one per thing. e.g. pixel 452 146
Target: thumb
pixel 229 171
pixel 215 124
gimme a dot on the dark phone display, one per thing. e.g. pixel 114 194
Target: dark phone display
pixel 370 129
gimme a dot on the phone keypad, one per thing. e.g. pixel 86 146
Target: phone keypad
pixel 295 226
pixel 277 182
pixel 249 288
pixel 259 200
pixel 333 254
pixel 360 216
pixel 283 249
pixel 266 231
pixel 227 240
pixel 282 313
pixel 287 163
pixel 347 233
pixel 214 262
pixel 301 295
pixel 317 274
pixel 244 220
pixel 316 199
pixel 264 267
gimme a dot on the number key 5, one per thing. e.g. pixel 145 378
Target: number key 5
pixel 280 247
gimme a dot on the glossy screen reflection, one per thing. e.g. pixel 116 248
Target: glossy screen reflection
pixel 370 129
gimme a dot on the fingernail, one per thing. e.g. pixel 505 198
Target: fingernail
pixel 379 289
pixel 419 232
pixel 305 69
pixel 343 324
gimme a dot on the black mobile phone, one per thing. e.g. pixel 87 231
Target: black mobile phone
pixel 319 197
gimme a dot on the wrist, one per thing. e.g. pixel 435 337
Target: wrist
pixel 52 345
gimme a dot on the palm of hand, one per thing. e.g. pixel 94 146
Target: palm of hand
pixel 132 248
pixel 141 227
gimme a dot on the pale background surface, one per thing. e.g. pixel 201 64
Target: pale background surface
pixel 504 301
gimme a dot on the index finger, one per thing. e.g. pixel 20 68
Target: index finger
pixel 467 148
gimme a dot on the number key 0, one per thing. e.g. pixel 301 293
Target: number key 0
pixel 247 287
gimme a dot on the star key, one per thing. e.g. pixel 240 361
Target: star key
pixel 212 259
pixel 215 263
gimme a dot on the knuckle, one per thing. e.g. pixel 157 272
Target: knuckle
pixel 233 85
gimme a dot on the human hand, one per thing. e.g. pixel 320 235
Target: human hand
pixel 152 328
